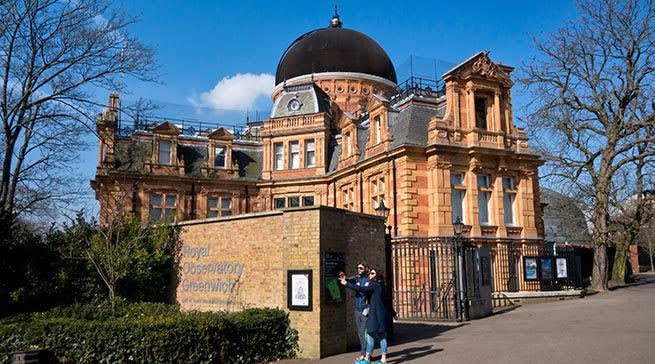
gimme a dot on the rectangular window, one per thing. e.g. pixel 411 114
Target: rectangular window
pixel 484 197
pixel 280 202
pixel 279 156
pixel 294 201
pixel 219 157
pixel 165 152
pixel 163 207
pixel 226 206
pixel 308 201
pixel 509 200
pixel 378 130
pixel 348 198
pixel 457 195
pixel 508 183
pixel 349 148
pixel 310 153
pixel 378 189
pixel 508 208
pixel 481 113
pixel 294 155
pixel 212 207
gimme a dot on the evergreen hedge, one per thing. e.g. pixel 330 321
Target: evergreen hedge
pixel 151 333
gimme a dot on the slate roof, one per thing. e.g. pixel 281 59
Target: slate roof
pixel 410 125
pixel 131 156
pixel 312 98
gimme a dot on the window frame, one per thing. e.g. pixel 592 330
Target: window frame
pixel 169 154
pixel 163 206
pixel 294 163
pixel 216 154
pixel 458 189
pixel 278 158
pixel 308 151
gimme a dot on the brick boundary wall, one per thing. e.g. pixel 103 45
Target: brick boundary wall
pixel 237 262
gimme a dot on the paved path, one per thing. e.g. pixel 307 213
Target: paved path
pixel 609 327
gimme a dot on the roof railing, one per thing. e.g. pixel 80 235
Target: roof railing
pixel 190 127
pixel 421 87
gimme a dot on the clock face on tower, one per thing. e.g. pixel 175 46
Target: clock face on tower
pixel 294 105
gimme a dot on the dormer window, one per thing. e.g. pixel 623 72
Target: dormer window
pixel 349 148
pixel 165 152
pixel 219 157
pixel 378 129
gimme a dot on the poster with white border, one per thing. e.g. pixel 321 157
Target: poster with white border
pixel 561 268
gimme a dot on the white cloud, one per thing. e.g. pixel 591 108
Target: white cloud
pixel 238 92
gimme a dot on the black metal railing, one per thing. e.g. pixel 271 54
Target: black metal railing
pixel 421 87
pixel 191 127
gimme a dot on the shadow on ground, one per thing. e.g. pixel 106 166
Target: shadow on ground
pixel 406 332
pixel 639 280
pixel 409 354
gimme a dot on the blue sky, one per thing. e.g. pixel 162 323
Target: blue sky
pixel 200 43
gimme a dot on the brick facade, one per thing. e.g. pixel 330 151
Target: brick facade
pixel 246 257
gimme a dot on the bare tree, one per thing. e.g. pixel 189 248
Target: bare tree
pixel 54 55
pixel 592 83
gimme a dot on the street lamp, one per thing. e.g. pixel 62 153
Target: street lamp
pixel 460 301
pixel 383 211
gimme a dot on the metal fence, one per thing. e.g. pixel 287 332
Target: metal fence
pixel 424 283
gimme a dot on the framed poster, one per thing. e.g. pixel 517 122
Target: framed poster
pixel 546 268
pixel 299 289
pixel 333 263
pixel 530 268
pixel 561 271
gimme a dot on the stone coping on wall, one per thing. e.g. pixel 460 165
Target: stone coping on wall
pixel 531 294
pixel 272 213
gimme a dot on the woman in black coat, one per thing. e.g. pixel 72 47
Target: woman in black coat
pixel 378 315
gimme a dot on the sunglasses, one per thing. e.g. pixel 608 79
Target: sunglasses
pixel 360 267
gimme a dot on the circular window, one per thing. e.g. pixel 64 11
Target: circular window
pixel 294 105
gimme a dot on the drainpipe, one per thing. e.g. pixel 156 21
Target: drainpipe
pixel 361 192
pixel 395 199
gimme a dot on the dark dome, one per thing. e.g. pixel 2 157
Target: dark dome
pixel 334 49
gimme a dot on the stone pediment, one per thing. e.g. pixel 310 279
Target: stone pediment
pixel 481 66
pixel 221 134
pixel 376 101
pixel 166 128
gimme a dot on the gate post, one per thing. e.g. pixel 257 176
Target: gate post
pixel 461 304
pixel 389 282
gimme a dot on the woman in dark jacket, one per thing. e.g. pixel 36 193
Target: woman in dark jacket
pixel 378 315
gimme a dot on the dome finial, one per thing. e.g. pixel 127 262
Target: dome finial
pixel 336 21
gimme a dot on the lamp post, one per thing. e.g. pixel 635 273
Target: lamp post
pixel 460 301
pixel 383 211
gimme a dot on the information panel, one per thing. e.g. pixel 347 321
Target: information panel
pixel 333 263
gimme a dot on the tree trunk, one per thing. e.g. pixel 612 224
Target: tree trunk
pixel 599 274
pixel 600 235
pixel 620 260
pixel 650 255
pixel 112 299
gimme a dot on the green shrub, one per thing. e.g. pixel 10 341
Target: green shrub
pixel 148 333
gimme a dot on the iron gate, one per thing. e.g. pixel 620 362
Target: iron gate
pixel 423 278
